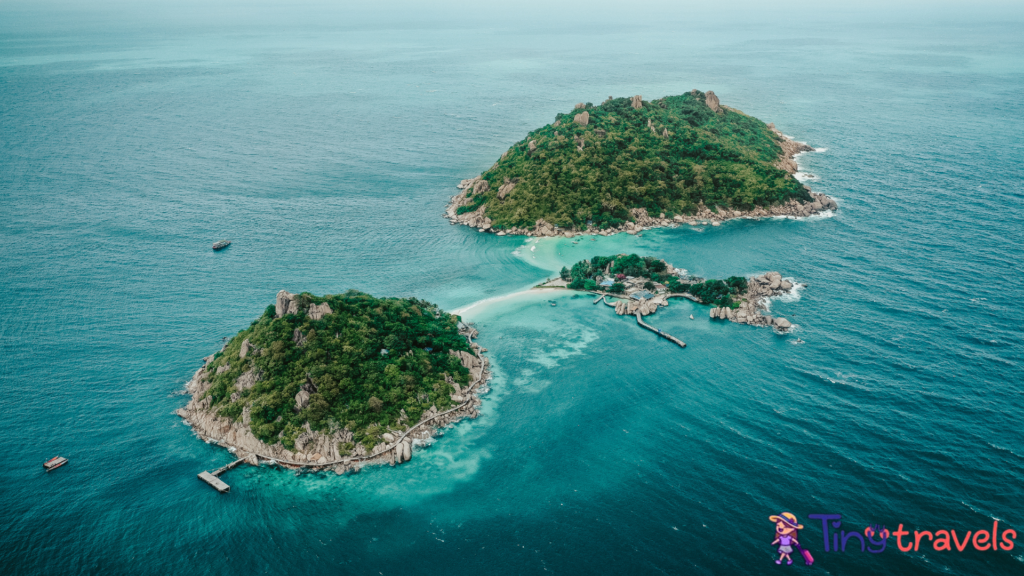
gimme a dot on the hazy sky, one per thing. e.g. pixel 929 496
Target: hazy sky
pixel 456 13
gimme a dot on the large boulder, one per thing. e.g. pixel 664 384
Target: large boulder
pixel 505 189
pixel 582 118
pixel 318 311
pixel 301 400
pixel 247 380
pixel 783 324
pixel 286 302
pixel 712 101
pixel 244 350
pixel 637 102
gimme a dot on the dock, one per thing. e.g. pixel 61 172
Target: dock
pixel 217 483
pixel 212 479
pixel 657 331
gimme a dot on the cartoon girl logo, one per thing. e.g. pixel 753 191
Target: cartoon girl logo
pixel 787 537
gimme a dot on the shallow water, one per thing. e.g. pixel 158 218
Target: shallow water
pixel 328 155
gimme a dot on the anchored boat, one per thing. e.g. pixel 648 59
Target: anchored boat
pixel 55 462
pixel 221 244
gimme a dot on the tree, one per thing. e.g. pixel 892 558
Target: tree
pixel 375 404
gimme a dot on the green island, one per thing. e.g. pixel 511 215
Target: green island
pixel 642 284
pixel 628 164
pixel 337 381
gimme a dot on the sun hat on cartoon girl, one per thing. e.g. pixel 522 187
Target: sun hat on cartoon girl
pixel 787 518
pixel 786 526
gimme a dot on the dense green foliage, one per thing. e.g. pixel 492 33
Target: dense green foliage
pixel 584 276
pixel 719 292
pixel 723 159
pixel 586 272
pixel 354 385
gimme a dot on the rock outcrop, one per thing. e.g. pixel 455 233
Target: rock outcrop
pixel 755 302
pixel 712 101
pixel 582 118
pixel 318 311
pixel 287 303
pixel 637 102
pixel 505 189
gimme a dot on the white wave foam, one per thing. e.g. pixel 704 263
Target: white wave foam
pixel 794 294
pixel 820 150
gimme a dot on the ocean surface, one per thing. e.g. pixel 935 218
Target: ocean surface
pixel 327 154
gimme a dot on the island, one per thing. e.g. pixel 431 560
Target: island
pixel 641 285
pixel 337 382
pixel 629 164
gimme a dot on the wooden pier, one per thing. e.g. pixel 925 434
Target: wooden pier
pixel 657 331
pixel 212 479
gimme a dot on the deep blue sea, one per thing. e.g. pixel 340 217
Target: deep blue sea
pixel 327 154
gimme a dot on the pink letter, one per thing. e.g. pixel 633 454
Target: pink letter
pixel 977 545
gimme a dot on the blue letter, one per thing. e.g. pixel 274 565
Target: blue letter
pixel 824 523
pixel 879 532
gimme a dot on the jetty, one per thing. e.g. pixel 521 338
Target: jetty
pixel 640 321
pixel 658 331
pixel 212 478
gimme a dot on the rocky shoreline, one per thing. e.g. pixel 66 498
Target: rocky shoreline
pixel 317 451
pixel 641 219
pixel 751 311
pixel 759 290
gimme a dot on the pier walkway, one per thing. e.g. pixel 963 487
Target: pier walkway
pixel 640 321
pixel 658 331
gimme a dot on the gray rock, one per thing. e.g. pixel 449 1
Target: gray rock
pixel 533 144
pixel 247 380
pixel 301 400
pixel 505 189
pixel 388 437
pixel 244 350
pixel 637 102
pixel 786 285
pixel 783 324
pixel 318 311
pixel 582 119
pixel 712 101
pixel 284 300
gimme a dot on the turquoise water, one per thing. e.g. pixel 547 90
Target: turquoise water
pixel 328 154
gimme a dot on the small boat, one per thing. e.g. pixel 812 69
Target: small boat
pixel 221 244
pixel 55 462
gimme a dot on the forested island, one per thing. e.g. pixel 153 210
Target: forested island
pixel 628 163
pixel 337 381
pixel 646 283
